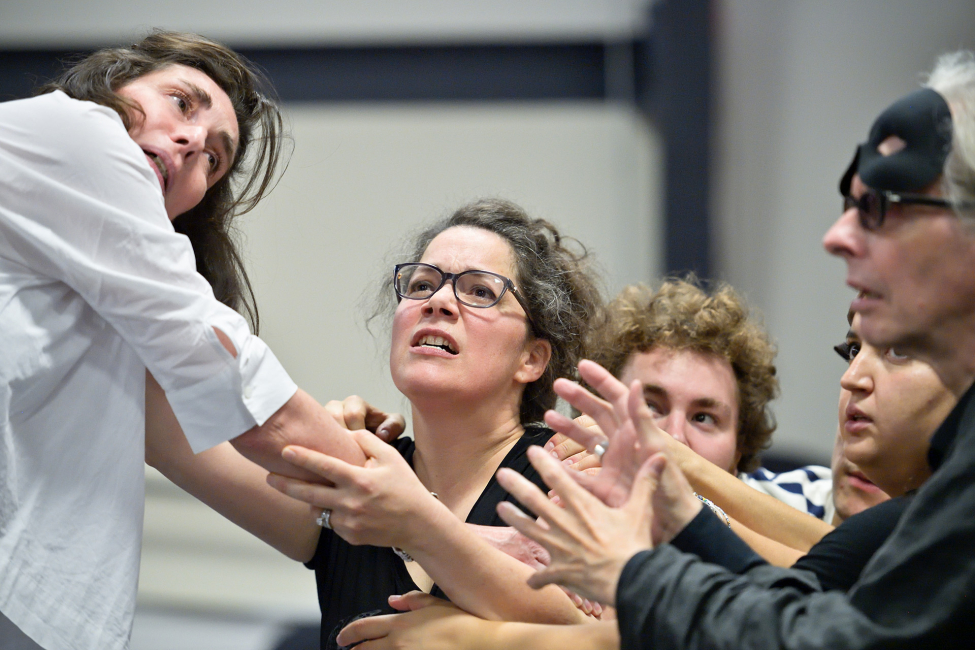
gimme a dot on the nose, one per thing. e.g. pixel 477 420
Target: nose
pixel 191 138
pixel 442 302
pixel 675 424
pixel 845 237
pixel 859 377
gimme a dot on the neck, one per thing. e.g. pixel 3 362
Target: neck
pixel 459 450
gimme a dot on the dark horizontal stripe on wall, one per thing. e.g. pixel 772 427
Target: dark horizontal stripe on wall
pixel 376 74
pixel 666 74
pixel 474 73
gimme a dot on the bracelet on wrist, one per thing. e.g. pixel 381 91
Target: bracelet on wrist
pixel 715 509
pixel 403 555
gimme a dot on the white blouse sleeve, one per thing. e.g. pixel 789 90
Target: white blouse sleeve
pixel 80 205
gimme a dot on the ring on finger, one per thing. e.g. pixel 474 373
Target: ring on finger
pixel 324 519
pixel 600 449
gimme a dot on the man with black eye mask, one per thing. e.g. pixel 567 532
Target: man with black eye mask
pixel 907 234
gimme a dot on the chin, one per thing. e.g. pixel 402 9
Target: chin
pixel 879 330
pixel 901 330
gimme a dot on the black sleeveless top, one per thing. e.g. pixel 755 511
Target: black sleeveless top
pixel 357 580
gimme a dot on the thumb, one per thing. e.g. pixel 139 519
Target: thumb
pixel 646 480
pixel 412 601
pixel 373 446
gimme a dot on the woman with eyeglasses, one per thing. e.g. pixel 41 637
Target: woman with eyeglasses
pixel 488 309
pixel 889 407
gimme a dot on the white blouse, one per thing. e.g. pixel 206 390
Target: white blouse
pixel 96 287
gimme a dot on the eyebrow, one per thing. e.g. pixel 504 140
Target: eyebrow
pixel 206 101
pixel 701 402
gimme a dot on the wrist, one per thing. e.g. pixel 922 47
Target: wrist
pixel 684 514
pixel 426 516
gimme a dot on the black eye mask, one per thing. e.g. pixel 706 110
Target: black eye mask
pixel 923 121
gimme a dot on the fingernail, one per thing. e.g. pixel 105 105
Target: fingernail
pixel 549 446
pixel 288 453
pixel 568 461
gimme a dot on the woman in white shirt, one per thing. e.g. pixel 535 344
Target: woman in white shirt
pixel 96 288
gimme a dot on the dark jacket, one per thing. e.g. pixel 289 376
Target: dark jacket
pixel 918 591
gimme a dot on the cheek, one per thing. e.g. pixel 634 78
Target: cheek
pixel 718 448
pixel 400 332
pixel 844 402
pixel 185 194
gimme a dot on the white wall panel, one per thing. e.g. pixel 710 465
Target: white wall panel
pixel 69 23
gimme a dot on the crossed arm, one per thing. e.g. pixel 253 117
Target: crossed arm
pixel 474 574
pixel 383 503
pixel 432 624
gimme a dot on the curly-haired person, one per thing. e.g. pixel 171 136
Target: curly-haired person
pixel 708 374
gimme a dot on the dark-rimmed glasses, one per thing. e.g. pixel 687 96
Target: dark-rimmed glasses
pixel 848 350
pixel 480 289
pixel 872 205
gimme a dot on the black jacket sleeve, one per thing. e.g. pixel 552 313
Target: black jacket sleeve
pixel 918 590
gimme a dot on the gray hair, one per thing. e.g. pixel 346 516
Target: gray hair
pixel 954 78
pixel 553 275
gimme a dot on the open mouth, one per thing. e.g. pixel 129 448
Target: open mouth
pixel 160 165
pixel 438 342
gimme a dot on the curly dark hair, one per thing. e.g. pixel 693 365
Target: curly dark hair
pixel 680 315
pixel 554 277
pixel 97 78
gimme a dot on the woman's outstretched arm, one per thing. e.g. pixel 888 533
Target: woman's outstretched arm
pixel 227 482
pixel 764 516
pixel 384 504
pixel 432 624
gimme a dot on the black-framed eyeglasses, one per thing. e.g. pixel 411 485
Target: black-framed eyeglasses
pixel 871 206
pixel 848 350
pixel 480 289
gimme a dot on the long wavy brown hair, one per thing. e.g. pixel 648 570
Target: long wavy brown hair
pixel 210 225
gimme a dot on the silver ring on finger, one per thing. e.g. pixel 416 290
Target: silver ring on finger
pixel 600 449
pixel 324 519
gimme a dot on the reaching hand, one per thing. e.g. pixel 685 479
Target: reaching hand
pixel 429 623
pixel 355 413
pixel 625 427
pixel 513 544
pixel 382 503
pixel 573 454
pixel 588 541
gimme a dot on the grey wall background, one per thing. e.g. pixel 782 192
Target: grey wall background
pixel 800 84
pixel 797 85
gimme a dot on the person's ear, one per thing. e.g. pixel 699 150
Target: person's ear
pixel 538 352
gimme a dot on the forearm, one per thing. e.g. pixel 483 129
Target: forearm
pixel 304 422
pixel 227 482
pixel 483 580
pixel 594 635
pixel 758 512
pixel 772 551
